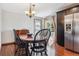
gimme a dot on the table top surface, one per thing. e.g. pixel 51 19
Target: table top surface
pixel 24 37
pixel 28 39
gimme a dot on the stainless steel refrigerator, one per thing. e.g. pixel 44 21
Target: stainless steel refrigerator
pixel 71 30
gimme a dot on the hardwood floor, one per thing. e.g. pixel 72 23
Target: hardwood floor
pixel 61 51
pixel 8 49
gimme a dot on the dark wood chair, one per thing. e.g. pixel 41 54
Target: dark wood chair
pixel 20 45
pixel 40 42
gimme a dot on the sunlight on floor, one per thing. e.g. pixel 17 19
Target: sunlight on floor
pixel 50 51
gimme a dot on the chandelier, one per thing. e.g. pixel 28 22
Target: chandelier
pixel 30 12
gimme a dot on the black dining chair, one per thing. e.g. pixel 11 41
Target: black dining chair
pixel 40 42
pixel 20 45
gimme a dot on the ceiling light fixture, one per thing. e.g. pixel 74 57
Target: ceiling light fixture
pixel 31 10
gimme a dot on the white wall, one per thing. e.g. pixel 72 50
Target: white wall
pixel 0 24
pixel 12 21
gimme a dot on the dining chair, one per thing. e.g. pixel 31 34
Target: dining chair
pixel 20 45
pixel 40 42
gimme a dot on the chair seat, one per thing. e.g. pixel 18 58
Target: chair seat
pixel 38 48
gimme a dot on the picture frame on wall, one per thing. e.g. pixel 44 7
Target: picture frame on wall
pixel 49 24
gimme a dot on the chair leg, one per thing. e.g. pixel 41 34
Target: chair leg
pixel 41 54
pixel 31 53
pixel 36 54
pixel 19 53
pixel 16 51
pixel 22 52
pixel 46 53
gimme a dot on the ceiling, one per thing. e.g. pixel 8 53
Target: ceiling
pixel 42 9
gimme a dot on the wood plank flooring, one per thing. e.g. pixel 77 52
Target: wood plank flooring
pixel 8 50
pixel 61 51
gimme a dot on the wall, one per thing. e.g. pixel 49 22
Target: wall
pixel 0 25
pixel 12 21
pixel 51 20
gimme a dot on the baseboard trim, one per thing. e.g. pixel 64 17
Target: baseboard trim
pixel 3 44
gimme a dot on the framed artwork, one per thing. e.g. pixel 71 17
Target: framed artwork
pixel 49 24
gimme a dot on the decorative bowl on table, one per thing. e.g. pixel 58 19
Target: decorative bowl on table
pixel 29 35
